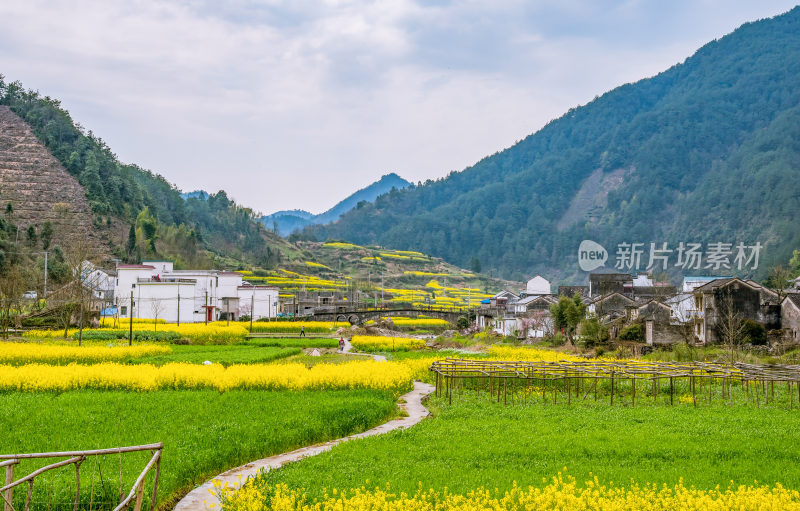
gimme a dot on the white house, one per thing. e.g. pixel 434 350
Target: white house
pixel 160 291
pixel 690 283
pixel 161 267
pixel 205 306
pixel 258 301
pixel 682 307
pixel 538 285
pixel 128 276
pixel 170 300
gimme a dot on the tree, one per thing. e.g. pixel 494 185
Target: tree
pixel 730 327
pixel 12 287
pixel 754 332
pixel 46 235
pixel 475 265
pixel 157 308
pixel 567 314
pixel 78 295
pixel 592 331
pixel 130 248
pixel 779 279
pixel 794 263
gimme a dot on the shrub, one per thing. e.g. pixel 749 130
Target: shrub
pixel 632 333
pixel 754 332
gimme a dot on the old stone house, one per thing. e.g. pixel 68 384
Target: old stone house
pixel 611 306
pixel 656 318
pixel 790 317
pixel 731 298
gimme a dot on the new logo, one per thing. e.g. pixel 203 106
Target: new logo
pixel 591 255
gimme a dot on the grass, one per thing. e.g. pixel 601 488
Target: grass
pixel 204 432
pixel 219 354
pixel 295 343
pixel 475 443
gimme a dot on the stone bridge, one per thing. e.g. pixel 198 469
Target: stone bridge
pixel 356 317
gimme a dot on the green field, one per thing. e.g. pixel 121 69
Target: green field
pixel 220 354
pixel 295 342
pixel 475 443
pixel 204 432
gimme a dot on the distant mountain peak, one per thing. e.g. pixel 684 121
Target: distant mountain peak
pixel 288 221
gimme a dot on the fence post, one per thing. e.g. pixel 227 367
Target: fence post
pixel 139 496
pixel 612 387
pixel 10 492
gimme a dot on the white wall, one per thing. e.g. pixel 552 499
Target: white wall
pixel 263 298
pixel 165 295
pixel 205 282
pixel 538 285
pixel 228 285
pixel 161 267
pixel 125 283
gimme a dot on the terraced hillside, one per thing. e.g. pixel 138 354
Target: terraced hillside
pixel 38 187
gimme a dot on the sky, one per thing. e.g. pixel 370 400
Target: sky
pixel 298 103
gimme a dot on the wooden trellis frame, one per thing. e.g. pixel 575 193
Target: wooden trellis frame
pixel 9 461
pixel 583 377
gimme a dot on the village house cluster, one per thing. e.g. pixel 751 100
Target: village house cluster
pixel 155 290
pixel 705 310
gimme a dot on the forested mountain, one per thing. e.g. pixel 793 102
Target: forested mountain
pixel 137 213
pixel 287 222
pixel 707 151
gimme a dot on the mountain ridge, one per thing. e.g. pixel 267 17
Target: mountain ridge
pixel 287 221
pixel 662 148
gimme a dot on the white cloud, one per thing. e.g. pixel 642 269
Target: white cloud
pixel 298 103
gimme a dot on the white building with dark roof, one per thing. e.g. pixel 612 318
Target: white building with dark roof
pixel 156 290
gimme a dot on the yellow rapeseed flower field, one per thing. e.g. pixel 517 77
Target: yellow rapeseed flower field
pixel 528 354
pixel 26 353
pixel 294 326
pixel 420 322
pixel 390 376
pixel 215 332
pixel 378 343
pixel 561 493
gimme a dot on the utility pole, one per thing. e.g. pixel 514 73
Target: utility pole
pixel 45 275
pixel 179 305
pixel 252 304
pixel 130 330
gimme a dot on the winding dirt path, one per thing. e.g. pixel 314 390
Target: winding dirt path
pixel 201 499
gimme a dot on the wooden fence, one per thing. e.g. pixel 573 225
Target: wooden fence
pixel 9 461
pixel 625 379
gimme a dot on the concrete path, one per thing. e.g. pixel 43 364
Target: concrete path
pixel 200 499
pixel 348 351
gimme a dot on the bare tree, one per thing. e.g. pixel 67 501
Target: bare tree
pixel 730 327
pixel 684 325
pixel 12 288
pixel 78 295
pixel 157 308
pixel 122 301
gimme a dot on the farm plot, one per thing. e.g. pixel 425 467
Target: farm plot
pixel 204 432
pixel 481 454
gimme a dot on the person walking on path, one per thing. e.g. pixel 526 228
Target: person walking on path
pixel 341 343
pixel 302 330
